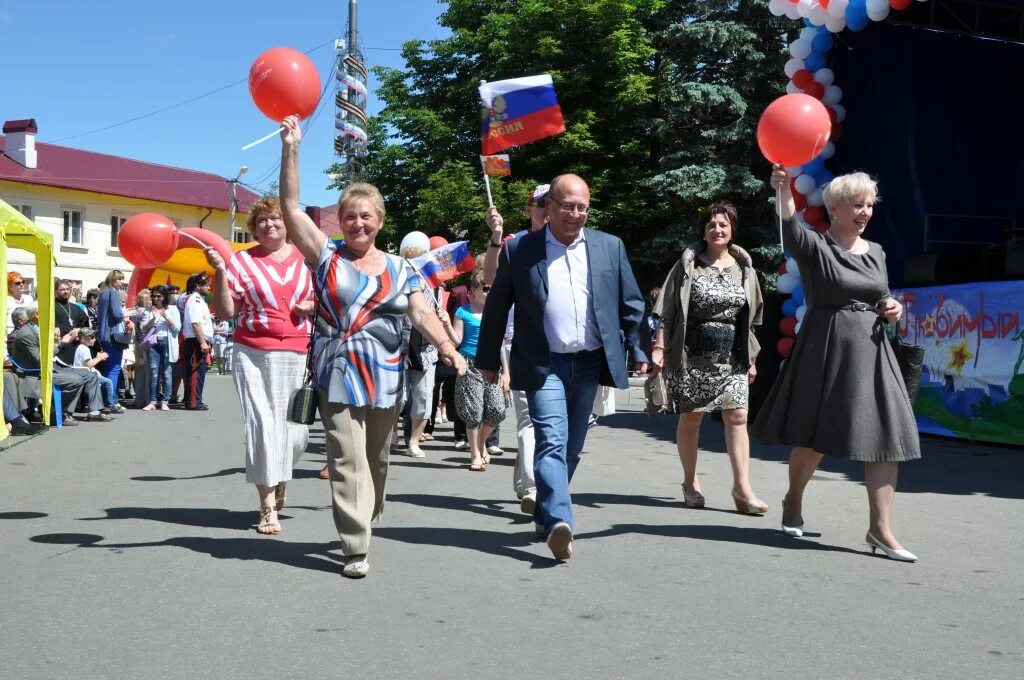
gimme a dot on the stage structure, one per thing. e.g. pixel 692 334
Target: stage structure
pixel 953 236
pixel 350 101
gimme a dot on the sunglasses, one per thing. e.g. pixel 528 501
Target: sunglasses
pixel 485 288
pixel 18 283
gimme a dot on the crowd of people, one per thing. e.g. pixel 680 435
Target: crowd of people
pixel 551 317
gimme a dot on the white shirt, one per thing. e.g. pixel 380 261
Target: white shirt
pixel 197 311
pixel 13 303
pixel 82 355
pixel 569 320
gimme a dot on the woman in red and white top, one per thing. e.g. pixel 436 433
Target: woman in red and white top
pixel 268 290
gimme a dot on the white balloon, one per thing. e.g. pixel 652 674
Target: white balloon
pixel 793 65
pixel 875 5
pixel 825 76
pixel 805 184
pixel 808 33
pixel 792 267
pixel 800 49
pixel 796 328
pixel 828 151
pixel 836 24
pixel 800 311
pixel 777 7
pixel 804 7
pixel 833 95
pixel 787 283
pixel 818 16
pixel 792 12
pixel 840 112
pixel 878 14
pixel 791 88
pixel 814 198
pixel 837 8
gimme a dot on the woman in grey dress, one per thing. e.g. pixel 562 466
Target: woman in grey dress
pixel 708 307
pixel 841 393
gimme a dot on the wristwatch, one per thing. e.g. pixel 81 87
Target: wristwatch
pixel 495 245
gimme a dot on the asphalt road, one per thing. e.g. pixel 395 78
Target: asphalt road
pixel 129 551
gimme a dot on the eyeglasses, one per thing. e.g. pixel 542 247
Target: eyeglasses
pixel 570 208
pixel 18 283
pixel 485 288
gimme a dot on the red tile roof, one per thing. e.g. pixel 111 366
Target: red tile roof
pixel 329 223
pixel 61 166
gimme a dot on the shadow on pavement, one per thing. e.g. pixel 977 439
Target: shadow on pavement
pixel 22 515
pixel 208 518
pixel 491 508
pixel 313 556
pixel 492 542
pixel 159 478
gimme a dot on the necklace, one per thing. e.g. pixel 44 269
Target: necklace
pixel 373 262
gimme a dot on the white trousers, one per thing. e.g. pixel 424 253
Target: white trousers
pixel 522 480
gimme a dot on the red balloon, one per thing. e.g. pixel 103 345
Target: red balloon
pixel 899 4
pixel 147 239
pixel 823 3
pixel 837 132
pixel 814 214
pixel 793 129
pixel 802 78
pixel 821 227
pixel 782 267
pixel 437 242
pixel 816 90
pixel 284 82
pixel 788 326
pixel 832 115
pixel 784 347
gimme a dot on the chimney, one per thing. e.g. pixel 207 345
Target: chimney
pixel 21 141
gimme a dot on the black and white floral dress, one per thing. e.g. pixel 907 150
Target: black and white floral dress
pixel 712 379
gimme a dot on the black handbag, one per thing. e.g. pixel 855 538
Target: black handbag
pixel 120 339
pixel 910 359
pixel 304 402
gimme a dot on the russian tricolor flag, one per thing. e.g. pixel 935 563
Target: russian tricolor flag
pixel 497 166
pixel 444 263
pixel 519 111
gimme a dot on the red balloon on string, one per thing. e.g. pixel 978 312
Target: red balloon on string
pixel 438 242
pixel 793 130
pixel 284 82
pixel 147 239
pixel 788 326
pixel 802 78
pixel 784 347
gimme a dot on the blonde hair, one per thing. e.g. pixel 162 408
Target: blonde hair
pixel 847 187
pixel 144 298
pixel 113 277
pixel 476 279
pixel 265 206
pixel 362 191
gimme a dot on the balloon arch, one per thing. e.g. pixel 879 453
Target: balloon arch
pixel 808 75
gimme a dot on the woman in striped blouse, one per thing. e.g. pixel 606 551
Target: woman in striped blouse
pixel 364 294
pixel 268 290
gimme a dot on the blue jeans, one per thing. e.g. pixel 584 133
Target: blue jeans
pixel 112 364
pixel 160 367
pixel 559 410
pixel 107 390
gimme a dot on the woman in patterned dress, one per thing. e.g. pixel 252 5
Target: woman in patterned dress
pixel 269 291
pixel 708 306
pixel 363 296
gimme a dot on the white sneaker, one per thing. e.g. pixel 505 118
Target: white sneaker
pixel 495 451
pixel 416 452
pixel 356 566
pixel 560 541
pixel 461 445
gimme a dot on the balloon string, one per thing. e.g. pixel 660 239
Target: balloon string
pixel 198 242
pixel 778 217
pixel 262 139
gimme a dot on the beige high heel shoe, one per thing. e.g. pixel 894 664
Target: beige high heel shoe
pixel 749 506
pixel 694 499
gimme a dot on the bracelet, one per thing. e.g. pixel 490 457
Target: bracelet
pixel 495 245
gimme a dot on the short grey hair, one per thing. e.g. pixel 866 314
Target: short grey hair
pixel 846 187
pixel 20 315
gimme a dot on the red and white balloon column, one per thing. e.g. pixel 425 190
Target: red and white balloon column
pixel 809 75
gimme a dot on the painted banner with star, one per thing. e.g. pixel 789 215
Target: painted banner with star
pixel 972 384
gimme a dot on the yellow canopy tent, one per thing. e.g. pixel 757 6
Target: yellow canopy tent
pixel 17 231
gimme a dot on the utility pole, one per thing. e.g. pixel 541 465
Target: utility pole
pixel 233 208
pixel 350 101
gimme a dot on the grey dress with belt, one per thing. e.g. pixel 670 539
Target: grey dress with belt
pixel 840 391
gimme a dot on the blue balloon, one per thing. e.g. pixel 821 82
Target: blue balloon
pixel 798 296
pixel 815 61
pixel 857 17
pixel 857 3
pixel 814 167
pixel 822 42
pixel 789 307
pixel 824 178
pixel 807 23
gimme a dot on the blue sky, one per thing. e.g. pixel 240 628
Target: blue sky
pixel 77 66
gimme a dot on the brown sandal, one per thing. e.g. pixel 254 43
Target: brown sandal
pixel 279 497
pixel 268 521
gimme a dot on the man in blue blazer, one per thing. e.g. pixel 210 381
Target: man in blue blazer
pixel 577 307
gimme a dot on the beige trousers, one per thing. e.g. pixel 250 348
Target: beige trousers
pixel 358 445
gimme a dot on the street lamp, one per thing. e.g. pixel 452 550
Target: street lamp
pixel 234 200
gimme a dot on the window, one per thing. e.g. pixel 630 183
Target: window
pixel 25 210
pixel 73 226
pixel 240 236
pixel 116 222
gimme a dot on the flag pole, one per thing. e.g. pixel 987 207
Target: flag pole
pixel 487 183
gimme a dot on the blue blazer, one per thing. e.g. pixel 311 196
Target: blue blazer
pixel 522 280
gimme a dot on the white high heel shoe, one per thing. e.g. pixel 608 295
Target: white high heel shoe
pixel 794 531
pixel 898 554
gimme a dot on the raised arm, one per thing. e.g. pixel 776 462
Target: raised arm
pixel 795 239
pixel 496 223
pixel 301 230
pixel 223 303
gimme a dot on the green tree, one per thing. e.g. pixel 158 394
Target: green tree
pixel 424 145
pixel 721 64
